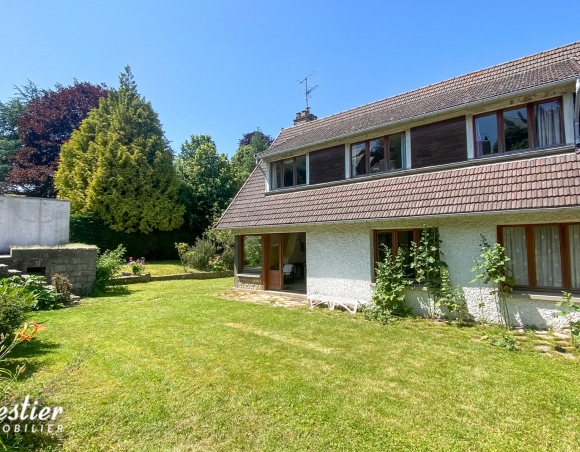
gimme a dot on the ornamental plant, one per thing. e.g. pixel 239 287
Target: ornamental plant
pixel 136 266
pixel 389 295
pixel 26 333
pixel 452 299
pixel 492 267
pixel 571 308
pixel 109 264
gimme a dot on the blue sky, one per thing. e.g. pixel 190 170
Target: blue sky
pixel 225 67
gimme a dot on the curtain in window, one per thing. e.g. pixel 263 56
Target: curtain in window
pixel 547 252
pixel 515 247
pixel 574 244
pixel 276 175
pixel 548 124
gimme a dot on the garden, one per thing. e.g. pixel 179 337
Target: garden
pixel 174 366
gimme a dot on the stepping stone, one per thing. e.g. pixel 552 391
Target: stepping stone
pixel 542 348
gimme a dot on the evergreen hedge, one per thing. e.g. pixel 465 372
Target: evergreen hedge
pixel 157 245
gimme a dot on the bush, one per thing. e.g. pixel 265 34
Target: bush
pixel 39 296
pixel 15 302
pixel 109 264
pixel 203 252
pixel 228 258
pixel 61 284
pixel 137 266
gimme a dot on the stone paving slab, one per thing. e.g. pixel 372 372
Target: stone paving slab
pixel 275 299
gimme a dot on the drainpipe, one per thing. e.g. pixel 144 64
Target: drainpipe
pixel 577 117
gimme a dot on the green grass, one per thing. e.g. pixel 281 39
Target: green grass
pixel 177 368
pixel 159 268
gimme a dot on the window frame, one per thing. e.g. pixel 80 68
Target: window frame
pixel 530 109
pixel 367 144
pixel 565 262
pixel 394 250
pixel 252 271
pixel 294 173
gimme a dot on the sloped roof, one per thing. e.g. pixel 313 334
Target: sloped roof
pixel 546 182
pixel 555 65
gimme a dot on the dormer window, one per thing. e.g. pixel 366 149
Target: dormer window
pixel 288 172
pixel 377 155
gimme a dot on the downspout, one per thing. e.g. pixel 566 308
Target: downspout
pixel 577 116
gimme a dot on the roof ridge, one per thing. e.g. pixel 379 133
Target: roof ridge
pixel 566 53
pixel 444 81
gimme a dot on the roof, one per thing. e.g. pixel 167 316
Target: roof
pixel 552 66
pixel 546 182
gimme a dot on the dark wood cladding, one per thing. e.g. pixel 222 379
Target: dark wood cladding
pixel 439 143
pixel 327 165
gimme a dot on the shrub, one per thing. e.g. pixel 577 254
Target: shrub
pixel 137 266
pixel 453 299
pixel 37 294
pixel 15 302
pixel 109 265
pixel 61 284
pixel 203 252
pixel 228 258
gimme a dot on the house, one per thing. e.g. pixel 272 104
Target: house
pixel 489 153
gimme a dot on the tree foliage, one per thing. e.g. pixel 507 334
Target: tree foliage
pixel 247 138
pixel 206 181
pixel 47 123
pixel 243 161
pixel 119 167
pixel 10 112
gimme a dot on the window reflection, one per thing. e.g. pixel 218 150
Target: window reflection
pixel 515 124
pixel 358 159
pixel 486 135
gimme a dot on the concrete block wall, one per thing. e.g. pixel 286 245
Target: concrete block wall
pixel 77 263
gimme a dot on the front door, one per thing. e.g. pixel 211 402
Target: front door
pixel 274 250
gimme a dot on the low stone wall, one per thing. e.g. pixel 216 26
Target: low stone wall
pixel 77 262
pixel 249 281
pixel 147 277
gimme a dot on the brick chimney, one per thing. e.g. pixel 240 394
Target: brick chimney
pixel 304 116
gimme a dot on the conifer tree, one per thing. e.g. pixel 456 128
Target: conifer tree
pixel 118 165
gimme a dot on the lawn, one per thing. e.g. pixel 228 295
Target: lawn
pixel 178 368
pixel 160 268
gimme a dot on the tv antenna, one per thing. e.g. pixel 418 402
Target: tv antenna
pixel 307 90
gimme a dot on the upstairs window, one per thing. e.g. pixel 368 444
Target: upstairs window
pixel 532 126
pixel 288 172
pixel 378 155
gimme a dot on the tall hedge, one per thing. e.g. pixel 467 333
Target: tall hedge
pixel 155 245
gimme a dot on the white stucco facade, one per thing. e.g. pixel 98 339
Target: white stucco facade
pixel 340 256
pixel 33 221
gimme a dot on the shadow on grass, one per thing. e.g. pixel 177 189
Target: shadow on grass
pixel 115 291
pixel 27 353
pixel 31 441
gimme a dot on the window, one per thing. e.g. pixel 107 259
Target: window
pixel 288 172
pixel 251 255
pixel 378 155
pixel 531 126
pixel 543 256
pixel 395 240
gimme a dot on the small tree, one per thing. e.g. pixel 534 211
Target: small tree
pixel 492 267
